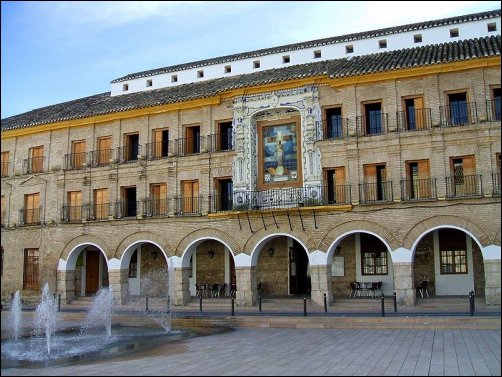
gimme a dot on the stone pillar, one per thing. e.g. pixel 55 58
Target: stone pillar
pixel 181 286
pixel 66 285
pixel 119 284
pixel 403 283
pixel 492 281
pixel 320 278
pixel 247 290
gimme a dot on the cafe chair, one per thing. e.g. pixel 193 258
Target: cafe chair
pixel 421 288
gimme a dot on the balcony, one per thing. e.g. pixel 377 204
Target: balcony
pixel 371 193
pixel 73 214
pixel 99 211
pixel 187 206
pixel 31 216
pixel 335 130
pixel 155 207
pixel 418 189
pixel 157 150
pixel 373 125
pixel 417 120
pixel 127 208
pixel 5 169
pixel 460 114
pixel 187 146
pixel 74 161
pixel 496 184
pixel 128 154
pixel 292 197
pixel 34 165
pixel 493 110
pixel 100 157
pixel 464 186
pixel 220 142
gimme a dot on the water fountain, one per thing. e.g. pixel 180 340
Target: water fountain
pixel 101 311
pixel 46 316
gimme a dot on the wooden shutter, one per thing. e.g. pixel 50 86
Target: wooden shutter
pixel 74 204
pixel 419 113
pixel 157 143
pixel 190 192
pixel 32 208
pixel 159 199
pixel 37 159
pixel 189 140
pixel 470 178
pixel 469 165
pixel 101 203
pixel 3 209
pixel 5 164
pixel 78 153
pixel 339 184
pixel 424 189
pixel 104 150
pixel 370 180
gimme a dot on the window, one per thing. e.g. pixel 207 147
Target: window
pixel 200 74
pixel 36 160
pixel 101 204
pixel 32 208
pixel 492 26
pixel 454 33
pixel 174 78
pixel 125 87
pixel 74 208
pixel 372 119
pixel 349 49
pixel 417 38
pixel 104 152
pixel 130 150
pixel 160 146
pixel 30 270
pixel 192 140
pixel 225 136
pixel 373 256
pixel 149 83
pixel 335 182
pixel 452 251
pixel 228 69
pixel 382 43
pixel 5 164
pixel 286 59
pixel 375 183
pixel 464 181
pixel 458 109
pixel 334 124
pixel 495 113
pixel 190 197
pixel 414 114
pixel 418 183
pixel 223 195
pixel 159 199
pixel 256 64
pixel 128 204
pixel 78 154
pixel 317 54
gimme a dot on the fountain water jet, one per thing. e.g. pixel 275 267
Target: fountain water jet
pixel 16 315
pixel 101 311
pixel 46 316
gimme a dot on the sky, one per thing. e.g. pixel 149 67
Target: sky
pixel 59 51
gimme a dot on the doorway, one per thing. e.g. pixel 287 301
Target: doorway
pixel 299 279
pixel 91 272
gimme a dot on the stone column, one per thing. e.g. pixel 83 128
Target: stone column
pixel 119 284
pixel 66 285
pixel 247 290
pixel 492 281
pixel 320 278
pixel 181 286
pixel 403 283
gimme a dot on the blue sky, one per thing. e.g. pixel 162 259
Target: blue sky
pixel 54 52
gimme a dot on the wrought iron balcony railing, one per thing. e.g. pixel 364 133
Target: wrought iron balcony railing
pixel 128 153
pixel 75 161
pixel 459 114
pixel 155 207
pixel 157 150
pixel 493 110
pixel 464 186
pixel 496 184
pixel 417 120
pixel 375 192
pixel 33 165
pixel 220 142
pixel 418 189
pixel 5 169
pixel 372 125
pixel 31 216
pixel 101 157
pixel 338 129
pixel 187 206
pixel 71 214
pixel 187 146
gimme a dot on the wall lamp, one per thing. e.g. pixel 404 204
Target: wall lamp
pixel 154 254
pixel 210 254
pixel 271 251
pixel 337 250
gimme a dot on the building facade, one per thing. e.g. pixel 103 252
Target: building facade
pixel 294 170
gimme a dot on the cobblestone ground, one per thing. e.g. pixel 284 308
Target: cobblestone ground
pixel 276 352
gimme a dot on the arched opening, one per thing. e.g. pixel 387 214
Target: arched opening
pixel 147 268
pixel 361 266
pixel 91 269
pixel 211 269
pixel 282 267
pixel 448 262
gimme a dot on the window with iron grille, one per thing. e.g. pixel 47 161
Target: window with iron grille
pixel 453 262
pixel 30 273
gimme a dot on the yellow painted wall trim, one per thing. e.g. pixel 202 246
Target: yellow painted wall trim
pixel 290 84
